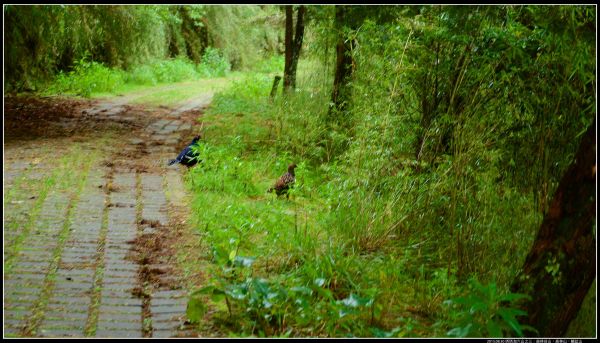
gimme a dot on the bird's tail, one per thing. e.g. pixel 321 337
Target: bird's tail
pixel 171 162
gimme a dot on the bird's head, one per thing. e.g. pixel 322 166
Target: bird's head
pixel 197 138
pixel 291 168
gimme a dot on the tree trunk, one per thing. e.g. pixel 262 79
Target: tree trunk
pixel 561 265
pixel 297 46
pixel 275 84
pixel 293 44
pixel 289 49
pixel 343 65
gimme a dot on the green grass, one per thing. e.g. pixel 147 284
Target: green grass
pixel 179 92
pixel 93 79
pixel 297 255
pixel 361 248
pixel 366 245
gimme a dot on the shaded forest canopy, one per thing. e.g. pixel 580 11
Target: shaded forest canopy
pixel 424 170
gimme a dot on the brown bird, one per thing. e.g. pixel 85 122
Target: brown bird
pixel 285 182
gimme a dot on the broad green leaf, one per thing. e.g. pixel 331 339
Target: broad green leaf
pixel 236 292
pixel 479 306
pixel 217 296
pixel 261 286
pixel 195 310
pixel 203 290
pixel 214 292
pixel 515 311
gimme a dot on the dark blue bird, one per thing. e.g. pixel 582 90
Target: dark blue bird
pixel 187 157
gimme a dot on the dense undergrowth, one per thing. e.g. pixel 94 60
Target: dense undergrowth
pixel 415 207
pixel 344 255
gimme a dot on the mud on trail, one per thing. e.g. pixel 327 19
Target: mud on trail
pixel 96 240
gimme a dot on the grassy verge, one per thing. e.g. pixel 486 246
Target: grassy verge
pixel 359 249
pixel 290 267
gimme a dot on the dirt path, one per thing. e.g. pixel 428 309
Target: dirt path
pixel 92 223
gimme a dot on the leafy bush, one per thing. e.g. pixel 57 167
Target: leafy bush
pixel 142 75
pixel 174 70
pixel 88 77
pixel 486 313
pixel 213 64
pixel 288 304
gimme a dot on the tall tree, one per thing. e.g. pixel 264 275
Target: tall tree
pixel 293 45
pixel 561 265
pixel 351 18
pixel 344 62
